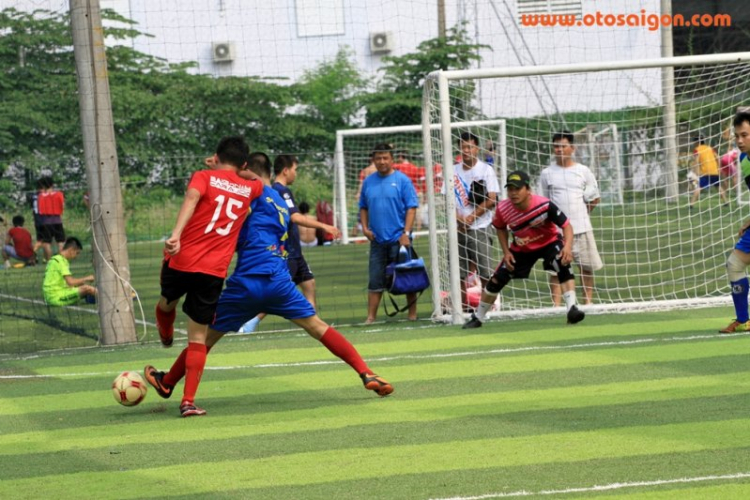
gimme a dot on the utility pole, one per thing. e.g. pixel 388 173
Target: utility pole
pixel 107 225
pixel 441 18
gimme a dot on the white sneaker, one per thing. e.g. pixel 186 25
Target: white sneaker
pixel 250 326
pixel 7 264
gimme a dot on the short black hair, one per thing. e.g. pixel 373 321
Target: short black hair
pixel 304 207
pixel 565 134
pixel 259 163
pixel 283 161
pixel 18 220
pixel 468 137
pixel 382 147
pixel 233 150
pixel 73 242
pixel 740 118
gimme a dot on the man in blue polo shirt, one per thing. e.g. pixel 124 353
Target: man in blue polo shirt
pixel 388 204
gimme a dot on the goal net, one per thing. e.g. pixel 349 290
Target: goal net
pixel 352 164
pixel 636 125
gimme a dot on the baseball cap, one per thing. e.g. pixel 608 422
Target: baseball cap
pixel 518 179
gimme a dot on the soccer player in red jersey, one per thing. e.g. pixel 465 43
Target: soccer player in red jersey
pixel 534 220
pixel 198 254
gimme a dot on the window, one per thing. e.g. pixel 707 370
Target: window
pixel 320 17
pixel 570 7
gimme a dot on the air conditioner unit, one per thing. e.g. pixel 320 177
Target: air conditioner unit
pixel 223 52
pixel 381 42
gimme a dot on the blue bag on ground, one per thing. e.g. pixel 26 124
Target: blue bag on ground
pixel 407 274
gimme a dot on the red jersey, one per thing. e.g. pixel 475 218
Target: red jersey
pixel 210 236
pixel 534 228
pixel 415 174
pixel 51 203
pixel 21 242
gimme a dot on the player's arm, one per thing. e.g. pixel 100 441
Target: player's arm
pixel 503 237
pixel 566 256
pixel 303 221
pixel 408 224
pixel 192 196
pixel 76 282
pixel 365 217
pixel 744 227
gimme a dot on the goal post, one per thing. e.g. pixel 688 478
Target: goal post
pixel 659 250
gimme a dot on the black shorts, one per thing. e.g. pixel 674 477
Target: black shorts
pixel 299 270
pixel 202 292
pixel 549 254
pixel 46 232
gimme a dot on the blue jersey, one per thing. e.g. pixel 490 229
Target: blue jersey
pixel 261 281
pixel 387 198
pixel 293 247
pixel 262 241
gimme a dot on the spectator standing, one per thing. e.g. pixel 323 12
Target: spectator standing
pixel 51 205
pixel 573 188
pixel 476 188
pixel 307 235
pixel 388 205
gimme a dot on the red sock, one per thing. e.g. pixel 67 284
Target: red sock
pixel 175 374
pixel 339 346
pixel 165 319
pixel 195 361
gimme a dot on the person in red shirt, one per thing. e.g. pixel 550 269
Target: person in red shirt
pixel 18 244
pixel 198 254
pixel 533 220
pixel 50 207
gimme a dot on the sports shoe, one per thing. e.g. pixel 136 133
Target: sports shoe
pixel 472 323
pixel 736 326
pixel 378 384
pixel 575 315
pixel 166 333
pixel 190 410
pixel 155 378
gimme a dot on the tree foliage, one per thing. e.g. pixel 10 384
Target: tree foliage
pixel 167 117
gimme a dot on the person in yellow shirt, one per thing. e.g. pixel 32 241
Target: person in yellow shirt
pixel 706 165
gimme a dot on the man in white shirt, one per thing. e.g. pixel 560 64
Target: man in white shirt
pixel 476 188
pixel 573 188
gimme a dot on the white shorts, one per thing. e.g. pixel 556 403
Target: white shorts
pixel 585 253
pixel 313 243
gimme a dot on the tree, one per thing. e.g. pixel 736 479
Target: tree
pixel 398 98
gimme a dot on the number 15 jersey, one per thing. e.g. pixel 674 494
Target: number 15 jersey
pixel 210 236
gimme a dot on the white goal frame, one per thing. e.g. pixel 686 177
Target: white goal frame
pixel 440 80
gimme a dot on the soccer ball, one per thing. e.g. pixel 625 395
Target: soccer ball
pixel 129 388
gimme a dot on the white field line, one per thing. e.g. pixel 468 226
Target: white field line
pixel 605 487
pixel 508 350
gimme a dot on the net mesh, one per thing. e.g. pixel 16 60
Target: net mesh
pixel 656 246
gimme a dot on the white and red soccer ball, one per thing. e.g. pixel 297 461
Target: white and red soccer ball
pixel 129 388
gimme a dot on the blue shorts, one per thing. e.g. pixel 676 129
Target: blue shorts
pixel 707 181
pixel 244 298
pixel 744 244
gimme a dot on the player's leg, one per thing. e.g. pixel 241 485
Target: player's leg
pixel 552 262
pixel 7 251
pixel 500 278
pixel 737 264
pixel 172 288
pixel 555 290
pixel 586 255
pixel 340 347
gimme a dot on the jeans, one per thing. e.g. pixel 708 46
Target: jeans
pixel 381 254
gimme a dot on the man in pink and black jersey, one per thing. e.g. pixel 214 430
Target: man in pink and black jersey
pixel 199 251
pixel 533 220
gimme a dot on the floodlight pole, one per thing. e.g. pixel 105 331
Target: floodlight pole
pixel 107 225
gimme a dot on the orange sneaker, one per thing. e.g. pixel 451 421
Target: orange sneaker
pixel 377 384
pixel 155 378
pixel 736 327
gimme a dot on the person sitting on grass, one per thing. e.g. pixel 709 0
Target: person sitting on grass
pixel 60 288
pixel 18 245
